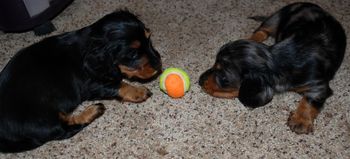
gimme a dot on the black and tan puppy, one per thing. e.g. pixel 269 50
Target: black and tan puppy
pixel 44 83
pixel 309 49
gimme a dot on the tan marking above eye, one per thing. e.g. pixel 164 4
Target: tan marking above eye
pixel 135 44
pixel 147 33
pixel 85 117
pixel 259 36
pixel 217 66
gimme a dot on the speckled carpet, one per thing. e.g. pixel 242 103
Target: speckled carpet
pixel 188 34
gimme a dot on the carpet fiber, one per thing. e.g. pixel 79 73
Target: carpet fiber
pixel 188 34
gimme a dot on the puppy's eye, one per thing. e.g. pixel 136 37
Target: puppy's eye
pixel 222 80
pixel 147 33
pixel 132 55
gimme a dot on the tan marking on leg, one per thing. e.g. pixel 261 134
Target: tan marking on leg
pixel 301 120
pixel 91 113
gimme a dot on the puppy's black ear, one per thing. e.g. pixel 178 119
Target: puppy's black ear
pixel 99 65
pixel 255 92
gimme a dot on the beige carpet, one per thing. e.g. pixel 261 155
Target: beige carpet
pixel 188 34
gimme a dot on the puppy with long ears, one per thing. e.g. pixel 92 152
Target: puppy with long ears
pixel 44 83
pixel 309 48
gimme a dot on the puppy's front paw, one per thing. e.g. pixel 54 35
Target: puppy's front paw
pixel 134 94
pixel 137 95
pixel 299 123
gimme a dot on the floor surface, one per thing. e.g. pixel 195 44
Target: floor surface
pixel 188 34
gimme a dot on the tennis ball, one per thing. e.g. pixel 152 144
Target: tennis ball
pixel 175 82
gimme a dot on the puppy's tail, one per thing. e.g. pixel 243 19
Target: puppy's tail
pixel 258 18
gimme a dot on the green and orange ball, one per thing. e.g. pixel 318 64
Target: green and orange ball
pixel 175 82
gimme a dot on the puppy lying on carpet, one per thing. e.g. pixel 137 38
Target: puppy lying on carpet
pixel 44 83
pixel 310 46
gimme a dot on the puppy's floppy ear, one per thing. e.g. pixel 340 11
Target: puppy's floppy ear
pixel 99 65
pixel 255 92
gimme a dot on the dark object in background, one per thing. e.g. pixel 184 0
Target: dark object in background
pixel 26 15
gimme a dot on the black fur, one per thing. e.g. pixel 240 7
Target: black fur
pixel 310 46
pixel 60 72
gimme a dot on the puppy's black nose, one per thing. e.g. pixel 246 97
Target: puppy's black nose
pixel 204 77
pixel 149 93
pixel 158 68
